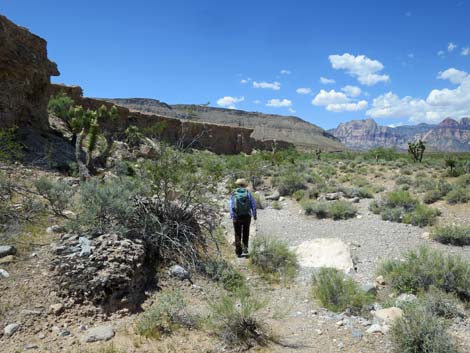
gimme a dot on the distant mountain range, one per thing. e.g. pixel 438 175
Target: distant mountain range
pixel 450 135
pixel 266 126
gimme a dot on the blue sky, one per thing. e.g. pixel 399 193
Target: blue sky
pixel 395 61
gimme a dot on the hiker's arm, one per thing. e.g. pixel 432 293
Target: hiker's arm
pixel 253 205
pixel 230 207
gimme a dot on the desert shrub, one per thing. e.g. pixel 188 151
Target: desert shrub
pixel 276 205
pixel 463 180
pixel 57 193
pixel 299 195
pixel 165 316
pixel 421 331
pixel 421 216
pixel 223 272
pixel 359 182
pixel 10 148
pixel 259 201
pixel 392 214
pixel 289 182
pixel 442 304
pixel 400 198
pixel 452 234
pixel 337 292
pixel 404 180
pixel 237 321
pixel 341 210
pixel 317 208
pixel 363 193
pixel 459 194
pixel 432 196
pixel 424 268
pixel 273 258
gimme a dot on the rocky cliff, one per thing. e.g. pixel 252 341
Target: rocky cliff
pixel 25 74
pixel 265 126
pixel 450 135
pixel 216 138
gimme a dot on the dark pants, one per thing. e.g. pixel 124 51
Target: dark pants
pixel 242 234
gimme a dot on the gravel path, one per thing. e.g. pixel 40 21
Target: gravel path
pixel 371 239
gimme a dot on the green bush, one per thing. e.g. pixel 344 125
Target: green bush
pixel 223 272
pixel 299 195
pixel 432 196
pixel 342 210
pixel 273 259
pixel 332 209
pixel 276 205
pixel 237 321
pixel 58 193
pixel 165 316
pixel 459 194
pixel 259 200
pixel 10 148
pixel 421 216
pixel 337 292
pixel 442 304
pixel 421 331
pixel 425 268
pixel 400 198
pixel 452 234
pixel 289 182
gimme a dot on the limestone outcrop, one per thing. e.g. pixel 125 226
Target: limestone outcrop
pixel 25 73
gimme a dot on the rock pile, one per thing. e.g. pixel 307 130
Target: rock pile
pixel 107 270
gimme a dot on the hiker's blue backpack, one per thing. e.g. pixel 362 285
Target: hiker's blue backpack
pixel 241 202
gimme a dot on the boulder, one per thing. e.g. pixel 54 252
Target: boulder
pixel 274 196
pixel 4 273
pixel 380 280
pixel 57 309
pixel 7 259
pixel 331 196
pixel 325 252
pixel 388 315
pixel 113 275
pixel 405 298
pixel 6 250
pixel 10 329
pixel 180 272
pixel 99 333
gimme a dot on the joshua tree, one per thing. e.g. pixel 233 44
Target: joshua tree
pixel 416 150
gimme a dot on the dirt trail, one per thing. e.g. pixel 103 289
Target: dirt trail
pixel 306 327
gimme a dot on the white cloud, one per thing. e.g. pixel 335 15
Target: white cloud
pixel 245 80
pixel 453 75
pixel 303 90
pixel 364 69
pixel 229 102
pixel 347 107
pixel 337 101
pixel 256 101
pixel 285 72
pixel 324 98
pixel 438 105
pixel 395 125
pixel 279 103
pixel 292 110
pixel 440 53
pixel 270 85
pixel 465 51
pixel 326 81
pixel 451 46
pixel 351 91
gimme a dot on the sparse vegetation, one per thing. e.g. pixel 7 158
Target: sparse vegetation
pixel 452 234
pixel 424 268
pixel 337 292
pixel 58 193
pixel 421 331
pixel 237 321
pixel 223 272
pixel 165 316
pixel 329 209
pixel 273 258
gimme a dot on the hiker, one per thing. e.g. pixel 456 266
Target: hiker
pixel 242 208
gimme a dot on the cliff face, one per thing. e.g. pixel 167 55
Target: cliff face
pixel 450 135
pixel 216 138
pixel 25 74
pixel 290 129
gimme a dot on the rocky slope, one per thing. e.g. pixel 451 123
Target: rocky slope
pixel 25 74
pixel 266 126
pixel 450 135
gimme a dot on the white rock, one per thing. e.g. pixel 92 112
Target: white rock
pixel 6 250
pixel 10 329
pixel 99 333
pixel 388 315
pixel 4 273
pixel 380 280
pixel 375 328
pixel 57 309
pixel 325 252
